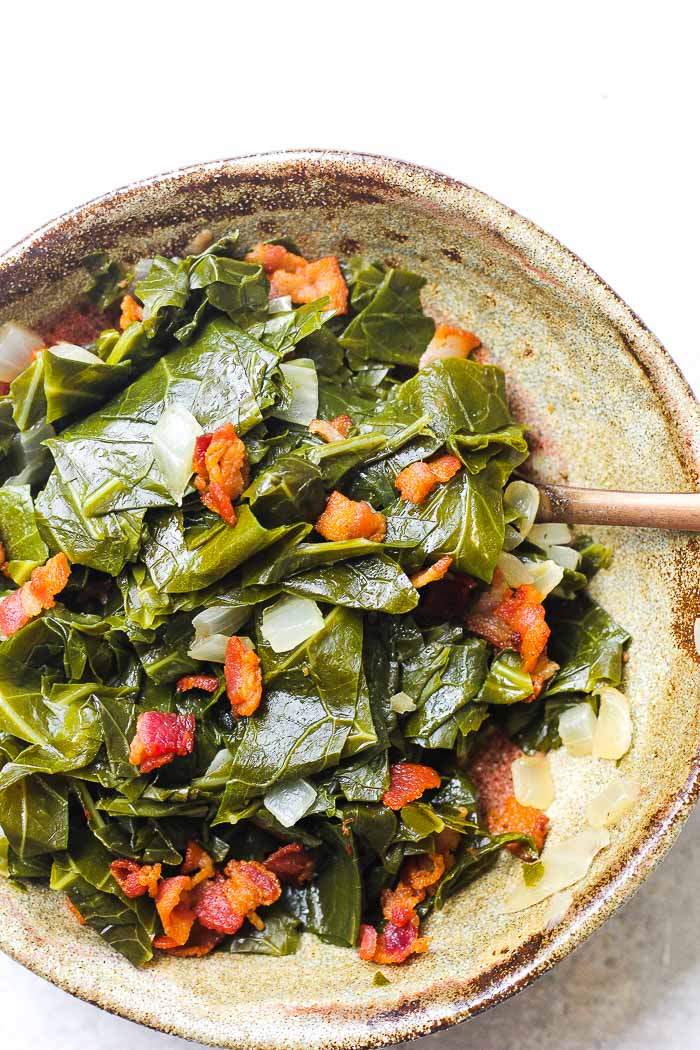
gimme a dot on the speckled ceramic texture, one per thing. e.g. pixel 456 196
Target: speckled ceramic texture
pixel 606 407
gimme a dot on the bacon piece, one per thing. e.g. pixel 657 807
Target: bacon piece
pixel 448 599
pixel 482 619
pixel 252 885
pixel 348 519
pixel 214 908
pixel 208 682
pixel 432 574
pixel 417 481
pixel 445 467
pixel 490 771
pixel 135 880
pixel 514 817
pixel 79 327
pixel 37 594
pixel 304 281
pixel 368 942
pixel 407 782
pixel 393 945
pixel 74 911
pixel 292 864
pixel 131 311
pixel 543 670
pixel 198 861
pixel 176 915
pixel 4 389
pixel 449 341
pixel 160 736
pixel 200 942
pixel 221 467
pixel 243 678
pixel 336 430
pixel 524 613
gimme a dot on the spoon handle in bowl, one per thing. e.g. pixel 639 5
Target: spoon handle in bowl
pixel 647 510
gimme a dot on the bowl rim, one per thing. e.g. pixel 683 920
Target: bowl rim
pixel 543 254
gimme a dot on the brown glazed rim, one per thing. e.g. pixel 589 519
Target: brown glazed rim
pixel 439 1006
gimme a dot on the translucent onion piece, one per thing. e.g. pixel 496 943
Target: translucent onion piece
pixel 515 572
pixel 402 703
pixel 281 305
pixel 557 908
pixel 71 352
pixel 567 557
pixel 174 437
pixel 562 865
pixel 577 728
pixel 613 733
pixel 549 534
pixel 532 781
pixel 290 800
pixel 303 407
pixel 16 346
pixel 220 619
pixel 523 499
pixel 213 648
pixel 607 807
pixel 546 575
pixel 289 622
pixel 248 642
pixel 696 635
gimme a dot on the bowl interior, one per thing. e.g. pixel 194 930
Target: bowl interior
pixel 605 407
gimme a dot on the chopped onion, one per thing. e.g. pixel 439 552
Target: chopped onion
pixel 532 781
pixel 213 648
pixel 289 622
pixel 613 733
pixel 546 575
pixel 607 807
pixel 16 346
pixel 220 619
pixel 290 800
pixel 557 908
pixel 696 635
pixel 567 557
pixel 562 866
pixel 303 406
pixel 174 437
pixel 402 703
pixel 515 572
pixel 524 500
pixel 549 534
pixel 281 305
pixel 577 727
pixel 71 352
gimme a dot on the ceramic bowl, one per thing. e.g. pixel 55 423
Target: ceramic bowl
pixel 605 407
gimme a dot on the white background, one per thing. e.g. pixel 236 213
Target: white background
pixel 582 117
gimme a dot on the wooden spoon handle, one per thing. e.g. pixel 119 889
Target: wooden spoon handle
pixel 646 510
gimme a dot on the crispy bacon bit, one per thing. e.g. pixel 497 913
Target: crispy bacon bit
pixel 37 594
pixel 368 942
pixel 135 880
pixel 160 736
pixel 417 481
pixel 514 817
pixel 221 467
pixel 4 389
pixel 543 670
pixel 336 430
pixel 448 599
pixel 131 312
pixel 207 682
pixel 393 945
pixel 214 908
pixel 176 915
pixel 482 619
pixel 432 574
pixel 75 326
pixel 449 341
pixel 490 771
pixel 243 678
pixel 198 861
pixel 292 864
pixel 252 885
pixel 200 942
pixel 524 613
pixel 348 519
pixel 74 911
pixel 407 782
pixel 304 281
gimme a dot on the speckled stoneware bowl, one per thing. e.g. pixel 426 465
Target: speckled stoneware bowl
pixel 606 407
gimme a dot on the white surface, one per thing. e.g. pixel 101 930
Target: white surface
pixel 582 117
